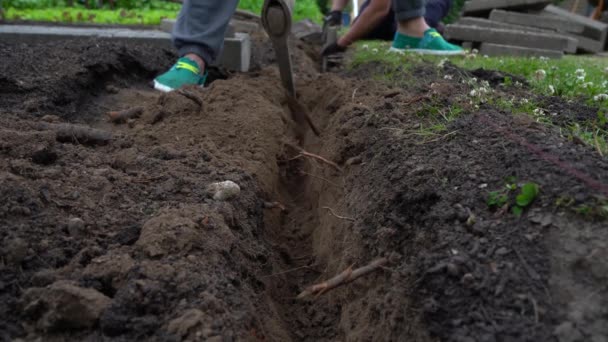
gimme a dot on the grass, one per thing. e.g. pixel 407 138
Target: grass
pixel 148 15
pixel 95 16
pixel 579 78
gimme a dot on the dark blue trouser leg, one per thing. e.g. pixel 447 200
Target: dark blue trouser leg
pixel 200 27
pixel 434 11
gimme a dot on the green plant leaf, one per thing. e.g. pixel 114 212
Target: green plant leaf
pixel 528 193
pixel 517 210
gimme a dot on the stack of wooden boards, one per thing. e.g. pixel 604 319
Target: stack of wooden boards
pixel 526 28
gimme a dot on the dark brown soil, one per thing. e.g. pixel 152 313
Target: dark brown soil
pixel 123 241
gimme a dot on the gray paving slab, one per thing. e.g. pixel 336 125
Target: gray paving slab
pixel 588 44
pixel 481 7
pixel 593 29
pixel 511 37
pixel 36 34
pixel 517 51
pixel 474 21
pixel 541 21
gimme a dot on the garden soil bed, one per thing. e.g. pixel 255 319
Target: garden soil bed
pixel 120 238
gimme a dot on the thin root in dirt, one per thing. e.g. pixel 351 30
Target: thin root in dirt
pixel 331 211
pixel 347 276
pixel 303 153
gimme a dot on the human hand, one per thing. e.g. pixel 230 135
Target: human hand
pixel 332 49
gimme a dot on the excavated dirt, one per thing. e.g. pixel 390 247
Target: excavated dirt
pixel 123 240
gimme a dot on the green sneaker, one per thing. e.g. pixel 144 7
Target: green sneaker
pixel 432 43
pixel 184 72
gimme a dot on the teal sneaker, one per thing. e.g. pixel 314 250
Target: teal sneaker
pixel 432 43
pixel 184 72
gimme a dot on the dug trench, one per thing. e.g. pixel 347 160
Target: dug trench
pixel 123 239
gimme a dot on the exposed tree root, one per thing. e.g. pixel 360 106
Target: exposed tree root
pixel 78 134
pixel 345 277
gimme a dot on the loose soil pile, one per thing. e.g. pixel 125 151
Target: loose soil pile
pixel 121 238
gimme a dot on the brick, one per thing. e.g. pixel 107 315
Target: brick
pixel 473 21
pixel 481 7
pixel 245 26
pixel 540 21
pixel 517 51
pixel 37 34
pixel 511 37
pixel 236 54
pixel 593 29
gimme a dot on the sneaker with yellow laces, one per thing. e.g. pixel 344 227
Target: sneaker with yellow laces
pixel 431 43
pixel 184 72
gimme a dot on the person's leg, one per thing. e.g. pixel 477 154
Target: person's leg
pixel 414 34
pixel 436 10
pixel 410 17
pixel 385 30
pixel 198 36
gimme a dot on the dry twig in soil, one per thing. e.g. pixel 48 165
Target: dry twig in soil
pixel 123 115
pixel 191 96
pixel 345 277
pixel 339 216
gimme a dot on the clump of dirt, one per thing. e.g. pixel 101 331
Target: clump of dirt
pixel 130 235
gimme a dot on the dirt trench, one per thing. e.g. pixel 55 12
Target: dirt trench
pixel 124 241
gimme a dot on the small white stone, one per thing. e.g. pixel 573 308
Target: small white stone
pixel 225 190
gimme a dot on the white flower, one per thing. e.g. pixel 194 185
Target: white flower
pixel 442 62
pixel 524 100
pixel 600 97
pixel 501 61
pixel 580 79
pixel 539 111
pixel 374 50
pixel 485 83
pixel 486 56
pixel 365 47
pixel 518 84
pixel 447 77
pixel 540 74
pixel 473 92
pixel 606 70
pixel 551 90
pixel 543 58
pixel 474 51
pixel 587 85
pixel 604 84
pixel 580 73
